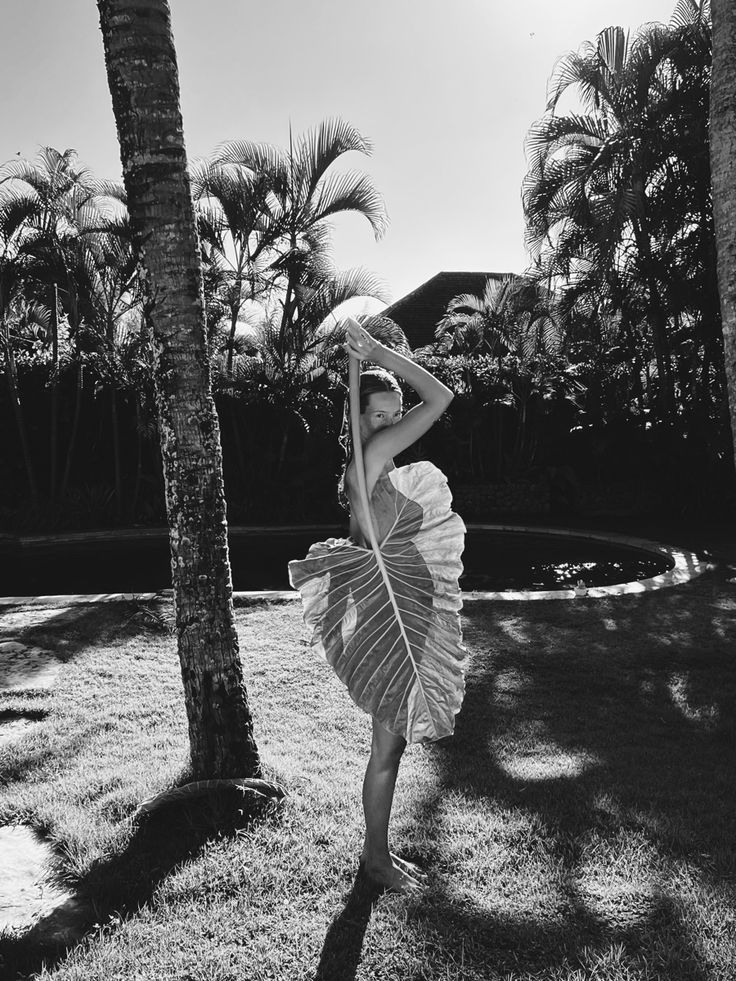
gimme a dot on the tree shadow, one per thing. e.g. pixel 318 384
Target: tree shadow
pixel 630 731
pixel 65 633
pixel 119 886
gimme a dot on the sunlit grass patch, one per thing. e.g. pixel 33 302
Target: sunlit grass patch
pixel 579 825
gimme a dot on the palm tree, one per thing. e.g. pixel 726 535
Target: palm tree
pixel 17 319
pixel 601 182
pixel 295 373
pixel 143 80
pixel 107 286
pixel 62 204
pixel 304 192
pixel 237 232
pixel 723 158
pixel 479 324
pixel 14 212
pixel 601 311
pixel 537 376
pixel 515 324
pixel 491 323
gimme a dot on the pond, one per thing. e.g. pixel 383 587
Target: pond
pixel 494 559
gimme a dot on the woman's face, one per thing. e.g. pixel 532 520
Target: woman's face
pixel 383 409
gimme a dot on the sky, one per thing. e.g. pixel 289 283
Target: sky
pixel 445 90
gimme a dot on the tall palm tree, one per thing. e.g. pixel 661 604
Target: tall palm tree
pixel 599 180
pixel 63 203
pixel 515 323
pixel 107 286
pixel 143 79
pixel 601 310
pixel 237 232
pixel 723 164
pixel 17 318
pixel 14 212
pixel 305 191
pixel 292 370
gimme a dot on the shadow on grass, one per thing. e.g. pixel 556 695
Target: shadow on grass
pixel 119 886
pixel 606 721
pixel 344 941
pixel 65 633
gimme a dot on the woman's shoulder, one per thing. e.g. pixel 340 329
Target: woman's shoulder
pixel 372 476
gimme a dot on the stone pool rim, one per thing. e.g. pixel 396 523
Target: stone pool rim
pixel 687 565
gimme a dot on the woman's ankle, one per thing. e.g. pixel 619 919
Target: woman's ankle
pixel 375 857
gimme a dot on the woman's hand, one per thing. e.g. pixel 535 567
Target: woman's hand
pixel 360 344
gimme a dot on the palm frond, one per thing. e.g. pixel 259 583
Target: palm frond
pixel 319 148
pixel 261 158
pixel 351 191
pixel 690 12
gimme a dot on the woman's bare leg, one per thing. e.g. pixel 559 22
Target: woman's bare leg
pixel 378 794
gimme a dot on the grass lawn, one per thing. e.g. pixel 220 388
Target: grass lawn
pixel 581 823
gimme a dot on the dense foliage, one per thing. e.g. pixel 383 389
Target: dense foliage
pixel 75 343
pixel 620 225
pixel 603 363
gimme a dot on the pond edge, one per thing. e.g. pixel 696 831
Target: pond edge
pixel 687 565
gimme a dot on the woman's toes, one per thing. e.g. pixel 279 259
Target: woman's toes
pixel 410 867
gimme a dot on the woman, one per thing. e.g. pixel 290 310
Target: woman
pixel 389 622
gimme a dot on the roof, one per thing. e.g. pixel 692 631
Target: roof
pixel 418 312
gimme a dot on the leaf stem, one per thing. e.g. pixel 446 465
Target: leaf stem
pixel 354 384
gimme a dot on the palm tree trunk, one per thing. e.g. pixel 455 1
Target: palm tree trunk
pixel 710 322
pixel 658 323
pixel 11 376
pixel 638 386
pixel 723 174
pixel 54 422
pixel 143 79
pixel 231 340
pixel 115 421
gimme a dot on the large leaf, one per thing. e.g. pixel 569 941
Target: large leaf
pixel 395 641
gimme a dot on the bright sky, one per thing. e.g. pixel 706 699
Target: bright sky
pixel 446 91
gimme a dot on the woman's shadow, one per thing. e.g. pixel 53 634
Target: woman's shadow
pixel 662 755
pixel 344 941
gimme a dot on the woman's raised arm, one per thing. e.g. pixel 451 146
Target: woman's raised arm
pixel 435 397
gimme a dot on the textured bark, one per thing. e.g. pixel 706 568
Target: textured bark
pixel 143 79
pixel 723 174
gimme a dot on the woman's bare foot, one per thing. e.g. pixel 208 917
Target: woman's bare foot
pixel 405 865
pixel 392 877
